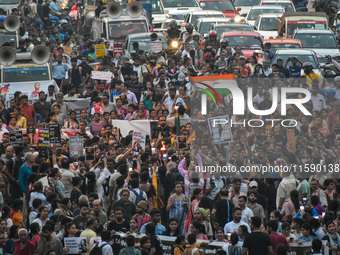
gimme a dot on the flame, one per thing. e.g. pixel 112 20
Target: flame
pixel 163 146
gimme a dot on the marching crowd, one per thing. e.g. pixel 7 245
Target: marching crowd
pixel 154 189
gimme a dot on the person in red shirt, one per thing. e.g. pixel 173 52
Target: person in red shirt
pixel 276 238
pixel 27 109
pixel 23 246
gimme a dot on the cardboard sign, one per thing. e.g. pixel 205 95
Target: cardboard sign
pixel 100 50
pixel 117 50
pixel 76 146
pixel 54 132
pixel 156 47
pixel 139 136
pixel 99 75
pixel 89 154
pixel 221 132
pixel 30 128
pixel 76 245
pixel 15 138
pixel 98 107
pixel 43 137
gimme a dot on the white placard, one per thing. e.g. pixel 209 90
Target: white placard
pixel 98 75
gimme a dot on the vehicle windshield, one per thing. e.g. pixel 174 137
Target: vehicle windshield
pixel 276 46
pixel 269 24
pixel 7 37
pixel 246 2
pixel 25 74
pixel 218 6
pixel 245 42
pixel 222 29
pixel 178 16
pixel 254 13
pixel 302 58
pixel 195 17
pixel 205 27
pixel 289 7
pixel 123 28
pixel 292 25
pixel 143 44
pixel 322 41
pixel 156 7
pixel 179 3
pixel 89 2
pixel 9 2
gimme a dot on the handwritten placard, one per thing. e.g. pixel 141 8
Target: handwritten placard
pixel 99 75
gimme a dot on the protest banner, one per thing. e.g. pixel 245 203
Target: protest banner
pixel 139 136
pixel 156 47
pixel 100 50
pixel 221 129
pixel 76 245
pixel 76 146
pixel 43 137
pixel 78 104
pixel 54 132
pixel 135 125
pixel 99 75
pixel 15 137
pixel 117 49
pixel 98 107
pixel 30 128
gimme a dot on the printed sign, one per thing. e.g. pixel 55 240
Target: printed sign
pixel 139 136
pixel 55 136
pixel 43 137
pixel 30 128
pixel 15 137
pixel 100 50
pixel 98 107
pixel 76 146
pixel 221 130
pixel 156 46
pixel 99 75
pixel 117 50
pixel 76 245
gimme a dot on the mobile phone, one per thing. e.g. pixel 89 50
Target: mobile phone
pixel 164 156
pixel 75 163
pixel 169 158
pixel 153 150
pixel 302 208
pixel 228 236
pixel 304 200
pixel 323 214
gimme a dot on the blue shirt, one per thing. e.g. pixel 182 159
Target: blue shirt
pixel 90 54
pixel 24 172
pixel 159 230
pixel 295 71
pixel 115 93
pixel 55 6
pixel 305 239
pixel 59 71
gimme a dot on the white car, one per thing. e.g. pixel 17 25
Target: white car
pixel 257 10
pixel 288 4
pixel 266 25
pixel 178 9
pixel 192 16
pixel 245 6
pixel 202 25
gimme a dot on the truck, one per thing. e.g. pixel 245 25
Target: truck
pixel 9 5
pixel 26 72
pixel 290 21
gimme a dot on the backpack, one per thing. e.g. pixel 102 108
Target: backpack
pixel 139 197
pixel 97 250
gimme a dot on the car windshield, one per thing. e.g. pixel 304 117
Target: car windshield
pixel 179 3
pixel 222 29
pixel 178 16
pixel 218 6
pixel 123 28
pixel 195 17
pixel 143 44
pixel 26 74
pixel 293 25
pixel 302 58
pixel 254 13
pixel 156 7
pixel 245 42
pixel 7 37
pixel 269 24
pixel 276 46
pixel 205 27
pixel 246 2
pixel 289 7
pixel 89 2
pixel 322 41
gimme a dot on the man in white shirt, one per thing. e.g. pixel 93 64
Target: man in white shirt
pixel 258 98
pixel 287 184
pixel 233 225
pixel 247 213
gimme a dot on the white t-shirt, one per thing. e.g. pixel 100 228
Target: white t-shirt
pixel 232 227
pixel 247 213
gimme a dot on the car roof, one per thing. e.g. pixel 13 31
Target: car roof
pixel 205 12
pixel 313 31
pixel 269 15
pixel 233 24
pixel 283 41
pixel 217 19
pixel 297 51
pixel 144 35
pixel 267 7
pixel 241 33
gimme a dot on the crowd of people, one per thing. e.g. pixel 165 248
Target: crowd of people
pixel 156 189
